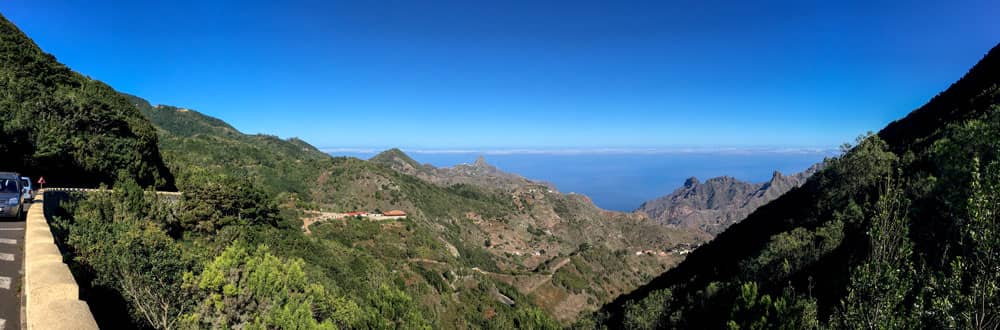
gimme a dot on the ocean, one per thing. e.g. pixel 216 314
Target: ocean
pixel 624 180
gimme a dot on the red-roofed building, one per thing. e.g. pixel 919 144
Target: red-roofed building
pixel 394 213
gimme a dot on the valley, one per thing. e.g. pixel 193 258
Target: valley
pixel 165 217
pixel 490 225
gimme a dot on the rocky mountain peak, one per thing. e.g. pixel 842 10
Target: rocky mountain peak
pixel 777 176
pixel 481 162
pixel 722 180
pixel 719 202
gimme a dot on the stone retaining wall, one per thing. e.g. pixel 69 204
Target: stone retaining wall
pixel 52 297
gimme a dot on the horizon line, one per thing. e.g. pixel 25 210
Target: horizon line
pixel 595 150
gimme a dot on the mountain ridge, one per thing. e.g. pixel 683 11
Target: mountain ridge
pixel 479 173
pixel 714 205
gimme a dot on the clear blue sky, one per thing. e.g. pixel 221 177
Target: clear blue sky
pixel 536 74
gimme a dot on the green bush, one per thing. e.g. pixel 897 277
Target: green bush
pixel 256 290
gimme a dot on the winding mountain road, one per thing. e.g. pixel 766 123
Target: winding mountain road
pixel 537 280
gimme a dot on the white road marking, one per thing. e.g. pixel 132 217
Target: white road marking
pixel 7 256
pixel 2 323
pixel 10 229
pixel 8 241
pixel 5 282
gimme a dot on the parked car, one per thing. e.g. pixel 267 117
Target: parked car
pixel 11 195
pixel 29 194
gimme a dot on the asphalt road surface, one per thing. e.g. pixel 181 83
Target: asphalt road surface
pixel 11 272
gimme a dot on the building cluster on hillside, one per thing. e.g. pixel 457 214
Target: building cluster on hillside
pixel 680 249
pixel 684 248
pixel 650 253
pixel 532 253
pixel 391 214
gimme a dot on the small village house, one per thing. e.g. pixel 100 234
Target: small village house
pixel 394 213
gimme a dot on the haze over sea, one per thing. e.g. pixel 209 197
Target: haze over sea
pixel 622 179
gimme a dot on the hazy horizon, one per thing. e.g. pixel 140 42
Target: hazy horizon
pixel 622 181
pixel 665 150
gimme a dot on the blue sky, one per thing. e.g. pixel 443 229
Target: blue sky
pixel 526 74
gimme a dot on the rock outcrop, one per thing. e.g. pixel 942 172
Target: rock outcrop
pixel 714 205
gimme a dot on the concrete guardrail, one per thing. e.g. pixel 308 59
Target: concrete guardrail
pixel 52 297
pixel 93 190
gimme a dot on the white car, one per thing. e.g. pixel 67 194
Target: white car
pixel 26 187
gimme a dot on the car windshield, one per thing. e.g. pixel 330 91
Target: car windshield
pixel 8 186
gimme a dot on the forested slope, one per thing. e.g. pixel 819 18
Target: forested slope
pixel 901 231
pixel 73 130
pixel 200 148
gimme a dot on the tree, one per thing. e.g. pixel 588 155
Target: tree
pixel 119 238
pixel 755 310
pixel 980 306
pixel 214 202
pixel 879 286
pixel 394 310
pixel 257 290
pixel 648 313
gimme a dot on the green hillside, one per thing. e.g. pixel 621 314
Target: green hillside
pixel 73 130
pixel 899 232
pixel 522 232
pixel 197 147
pixel 393 156
pixel 488 234
pixel 235 215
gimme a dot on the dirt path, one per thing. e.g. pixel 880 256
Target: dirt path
pixel 429 261
pixel 560 264
pixel 317 216
pixel 529 282
pixel 548 277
